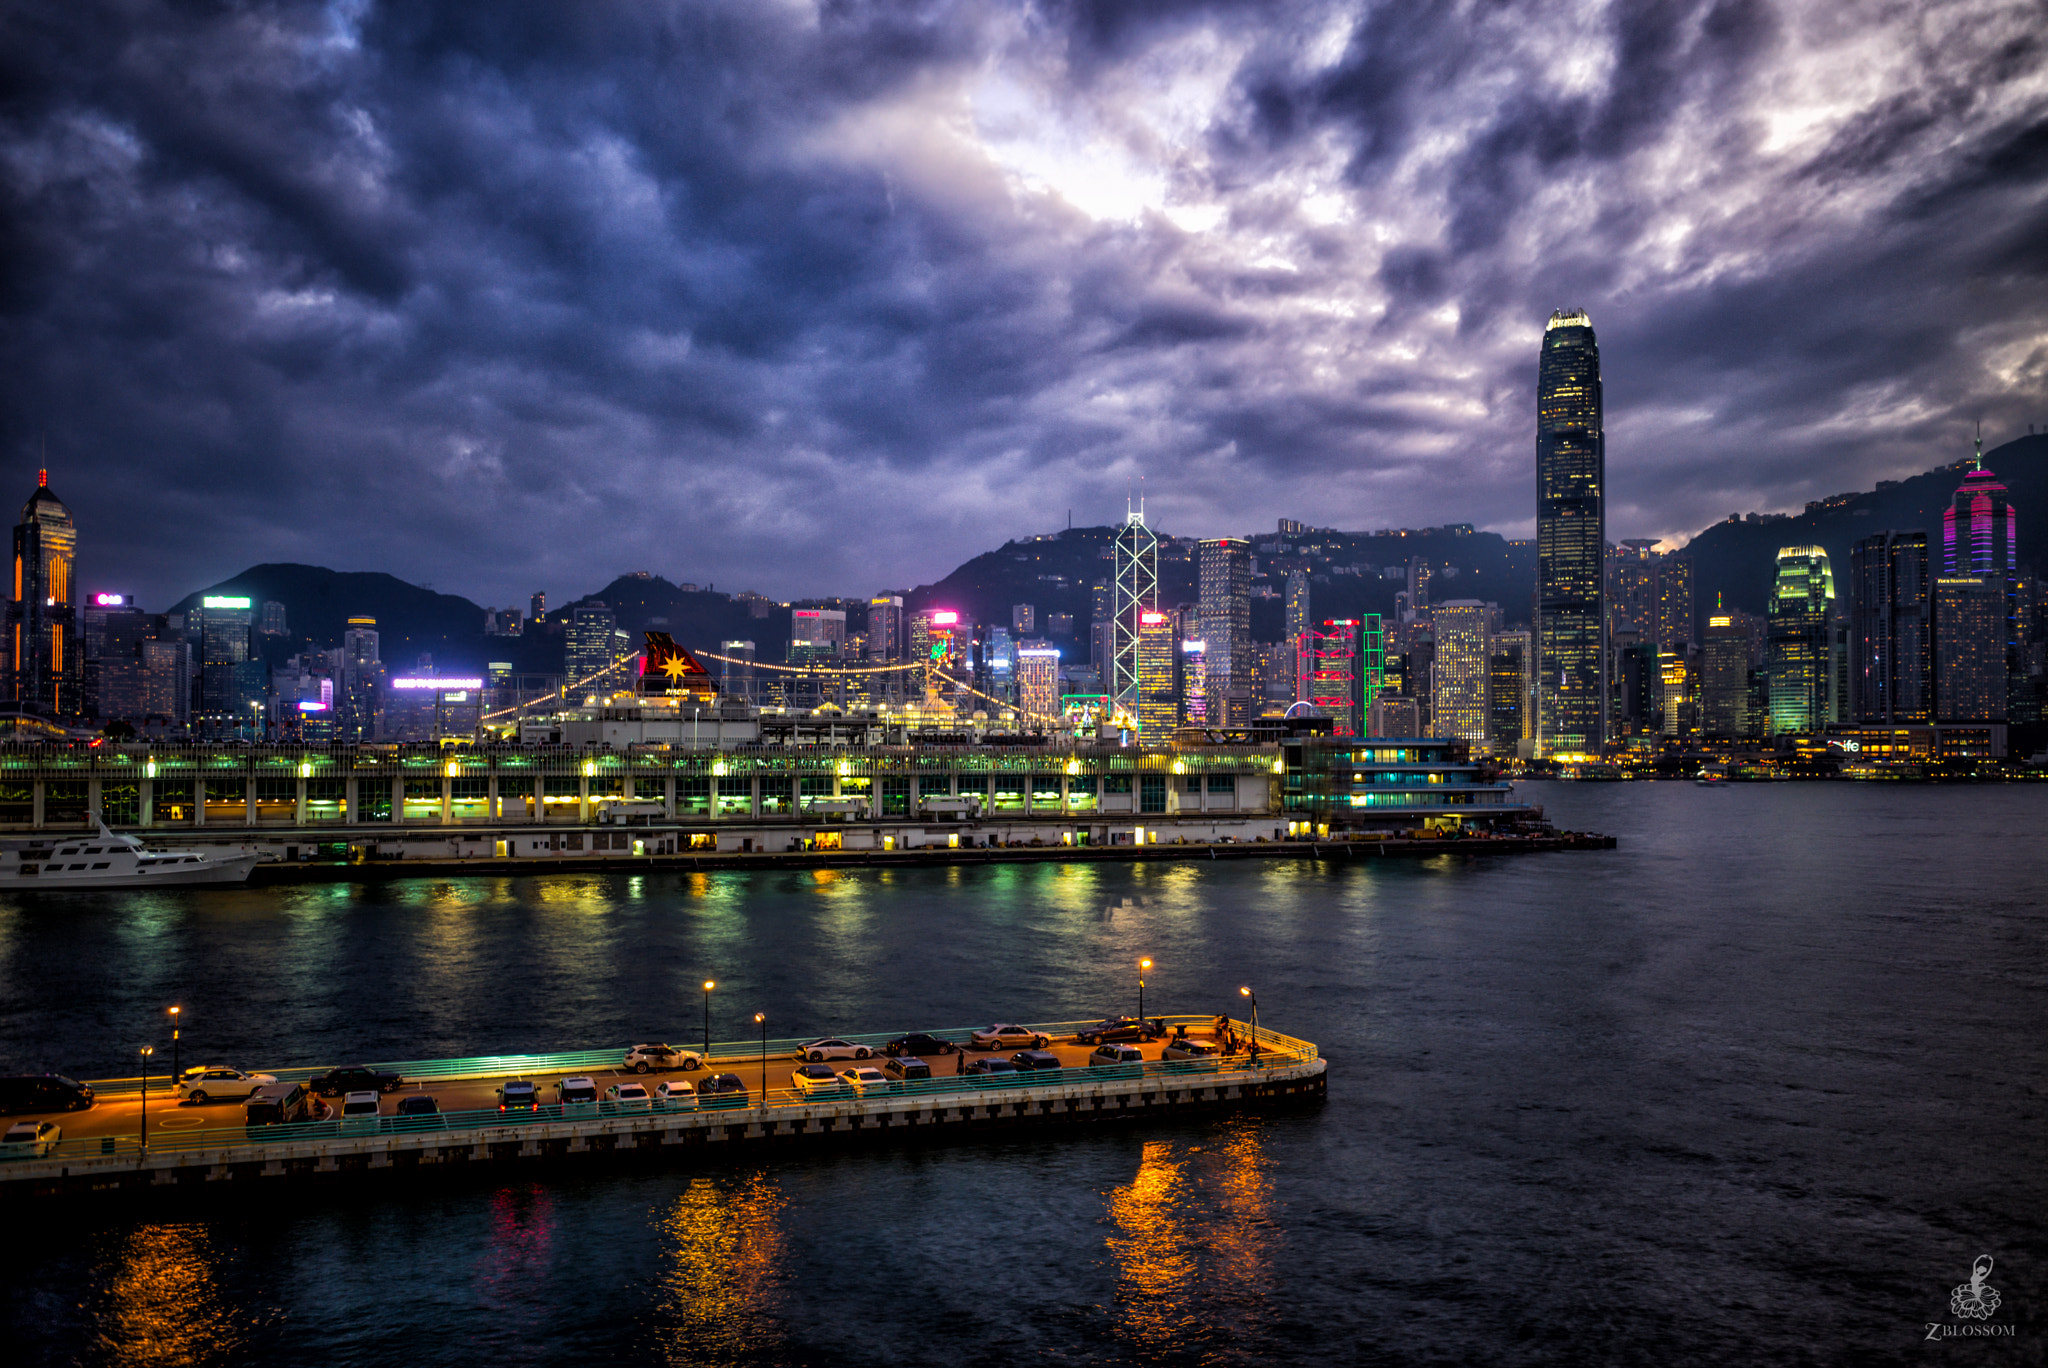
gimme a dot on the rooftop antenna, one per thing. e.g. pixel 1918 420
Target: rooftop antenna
pixel 43 475
pixel 1980 444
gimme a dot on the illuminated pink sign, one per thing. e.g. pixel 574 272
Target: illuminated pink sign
pixel 1151 619
pixel 439 684
pixel 944 619
pixel 110 600
pixel 312 707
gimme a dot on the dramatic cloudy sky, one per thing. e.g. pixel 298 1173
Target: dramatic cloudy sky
pixel 821 297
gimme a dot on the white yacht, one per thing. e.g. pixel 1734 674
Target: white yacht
pixel 107 860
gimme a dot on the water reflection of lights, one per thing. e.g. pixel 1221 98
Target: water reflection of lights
pixel 724 1291
pixel 1191 1239
pixel 515 1257
pixel 163 1302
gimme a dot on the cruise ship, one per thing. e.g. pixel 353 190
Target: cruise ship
pixel 107 860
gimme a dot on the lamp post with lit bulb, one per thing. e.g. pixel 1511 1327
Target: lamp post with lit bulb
pixel 1144 967
pixel 1255 1024
pixel 174 1045
pixel 709 984
pixel 146 1051
pixel 761 1020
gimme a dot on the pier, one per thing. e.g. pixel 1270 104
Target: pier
pixel 104 1149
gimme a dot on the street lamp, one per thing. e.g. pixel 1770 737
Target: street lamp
pixel 1255 1024
pixel 174 1045
pixel 1144 967
pixel 709 984
pixel 146 1051
pixel 761 1020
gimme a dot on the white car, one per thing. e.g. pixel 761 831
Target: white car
pixel 212 1083
pixel 628 1097
pixel 675 1096
pixel 832 1047
pixel 359 1111
pixel 867 1080
pixel 663 1059
pixel 578 1096
pixel 1006 1037
pixel 811 1079
pixel 30 1139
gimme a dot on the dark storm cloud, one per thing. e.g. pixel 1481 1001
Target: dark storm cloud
pixel 825 297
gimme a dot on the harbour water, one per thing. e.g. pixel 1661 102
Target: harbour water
pixel 1755 1087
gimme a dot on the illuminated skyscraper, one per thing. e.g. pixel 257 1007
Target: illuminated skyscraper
pixel 1507 691
pixel 1674 601
pixel 590 647
pixel 1979 536
pixel 1038 684
pixel 1632 588
pixel 1724 678
pixel 1333 684
pixel 1195 692
pixel 817 636
pixel 45 654
pixel 1158 653
pixel 1969 655
pixel 1300 628
pixel 1458 682
pixel 885 629
pixel 1801 666
pixel 1571 477
pixel 1226 628
pixel 1889 638
pixel 1135 589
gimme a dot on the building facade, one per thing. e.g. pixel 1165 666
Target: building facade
pixel 1458 680
pixel 1571 476
pixel 1969 648
pixel 1801 665
pixel 46 654
pixel 1890 676
pixel 1224 566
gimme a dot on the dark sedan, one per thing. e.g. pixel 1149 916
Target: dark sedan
pixel 722 1090
pixel 919 1044
pixel 1114 1029
pixel 358 1079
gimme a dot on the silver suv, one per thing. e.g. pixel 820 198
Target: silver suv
pixel 663 1059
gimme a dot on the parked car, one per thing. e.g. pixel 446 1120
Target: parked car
pixel 918 1043
pixel 1034 1060
pixel 518 1094
pixel 418 1104
pixel 359 1111
pixel 1114 1028
pixel 867 1079
pixel 722 1090
pixel 30 1139
pixel 675 1095
pixel 43 1093
pixel 907 1069
pixel 627 1097
pixel 663 1059
pixel 212 1083
pixel 991 1066
pixel 577 1096
pixel 811 1079
pixel 1006 1037
pixel 1104 1055
pixel 832 1047
pixel 1190 1048
pixel 358 1078
pixel 275 1104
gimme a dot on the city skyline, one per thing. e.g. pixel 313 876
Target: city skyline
pixel 369 287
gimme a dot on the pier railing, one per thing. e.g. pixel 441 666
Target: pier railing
pixel 728 1055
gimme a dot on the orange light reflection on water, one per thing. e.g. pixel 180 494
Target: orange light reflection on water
pixel 164 1303
pixel 723 1293
pixel 1192 1241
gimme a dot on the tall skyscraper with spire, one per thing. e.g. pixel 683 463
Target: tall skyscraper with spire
pixel 1979 536
pixel 45 655
pixel 1571 534
pixel 1135 588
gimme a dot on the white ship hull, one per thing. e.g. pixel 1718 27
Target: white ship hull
pixel 88 863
